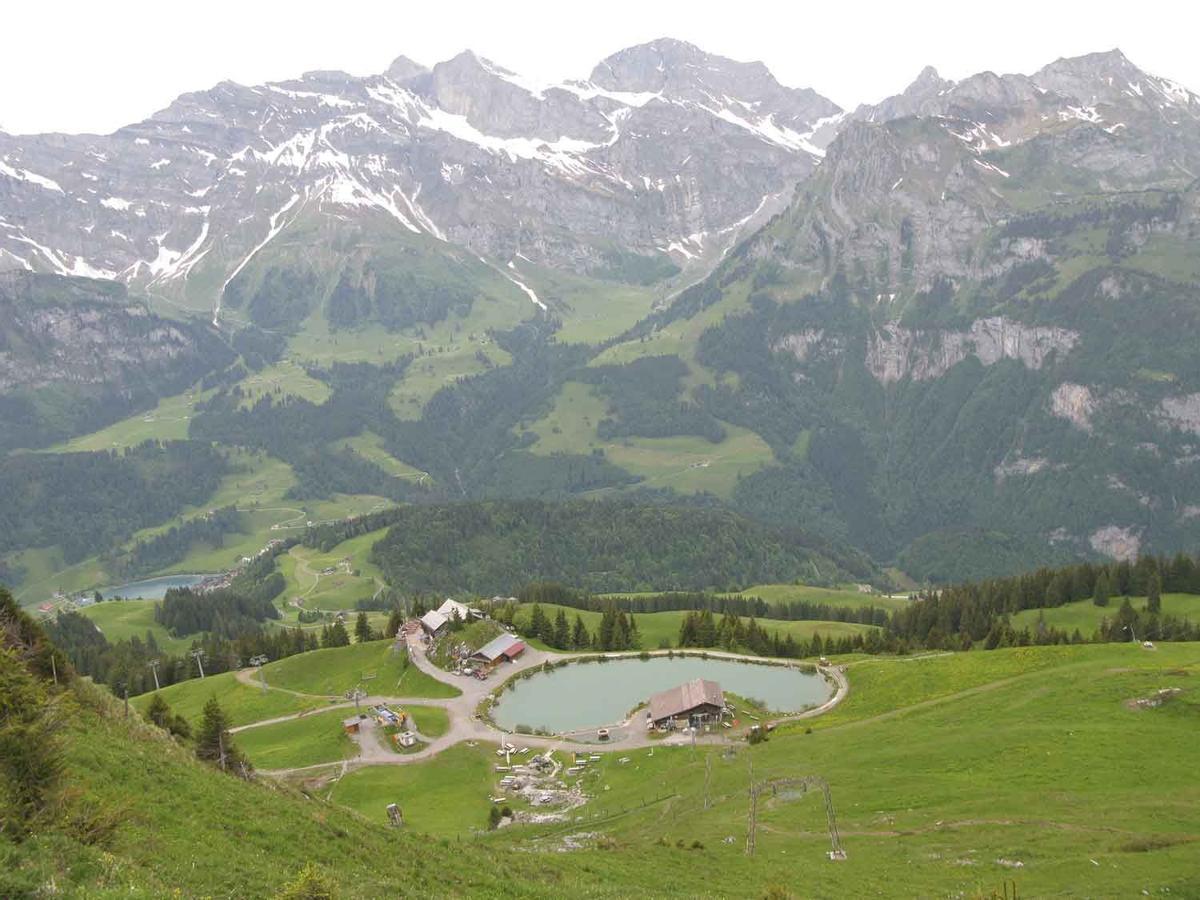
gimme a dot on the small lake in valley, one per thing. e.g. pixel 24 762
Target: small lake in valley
pixel 591 694
pixel 150 588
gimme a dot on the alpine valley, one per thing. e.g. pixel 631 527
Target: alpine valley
pixel 947 336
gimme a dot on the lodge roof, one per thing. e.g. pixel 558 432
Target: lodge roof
pixel 684 698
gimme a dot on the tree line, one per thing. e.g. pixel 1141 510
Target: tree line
pixel 90 502
pixel 670 601
pixel 615 631
pixel 979 612
pixel 599 545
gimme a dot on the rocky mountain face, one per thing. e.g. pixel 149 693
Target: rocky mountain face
pixel 76 354
pixel 667 155
pixel 971 328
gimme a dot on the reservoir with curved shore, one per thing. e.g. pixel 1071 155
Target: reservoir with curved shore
pixel 151 588
pixel 591 694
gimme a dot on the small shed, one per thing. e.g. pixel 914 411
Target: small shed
pixel 505 647
pixel 351 724
pixel 433 622
pixel 693 703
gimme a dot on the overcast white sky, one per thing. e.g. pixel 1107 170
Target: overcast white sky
pixel 80 65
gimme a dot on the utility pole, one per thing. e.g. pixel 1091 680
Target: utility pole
pixel 198 656
pixel 153 664
pixel 127 701
pixel 752 826
pixel 707 776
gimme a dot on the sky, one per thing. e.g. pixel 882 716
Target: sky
pixel 87 66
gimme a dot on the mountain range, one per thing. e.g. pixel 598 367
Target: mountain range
pixel 953 329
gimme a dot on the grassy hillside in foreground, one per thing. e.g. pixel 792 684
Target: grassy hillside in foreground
pixel 946 771
pixel 169 826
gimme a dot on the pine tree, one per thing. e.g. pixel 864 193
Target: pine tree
pixel 362 628
pixel 1154 593
pixel 580 639
pixel 607 632
pixel 537 621
pixel 394 623
pixel 621 632
pixel 215 745
pixel 161 715
pixel 335 635
pixel 1102 591
pixel 687 630
pixel 562 631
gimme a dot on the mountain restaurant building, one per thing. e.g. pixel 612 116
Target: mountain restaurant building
pixel 692 704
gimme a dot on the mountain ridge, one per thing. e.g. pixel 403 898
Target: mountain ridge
pixel 964 315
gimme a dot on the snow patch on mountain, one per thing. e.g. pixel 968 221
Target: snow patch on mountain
pixel 278 223
pixel 32 177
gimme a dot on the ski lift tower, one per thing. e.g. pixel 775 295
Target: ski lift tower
pixel 198 656
pixel 260 661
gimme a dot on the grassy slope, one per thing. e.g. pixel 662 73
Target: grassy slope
pixel 333 672
pixel 591 311
pixel 941 768
pixel 306 741
pixel 787 593
pixel 302 567
pixel 123 619
pixel 370 446
pixel 1086 616
pixel 244 703
pixel 445 796
pixel 184 829
pixel 684 463
pixel 257 486
pixel 655 628
pixel 431 721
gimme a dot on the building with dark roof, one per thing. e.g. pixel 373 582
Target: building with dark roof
pixel 695 702
pixel 505 647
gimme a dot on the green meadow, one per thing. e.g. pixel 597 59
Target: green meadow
pixel 306 741
pixel 123 619
pixel 337 670
pixel 1087 616
pixel 685 463
pixel 244 703
pixel 448 795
